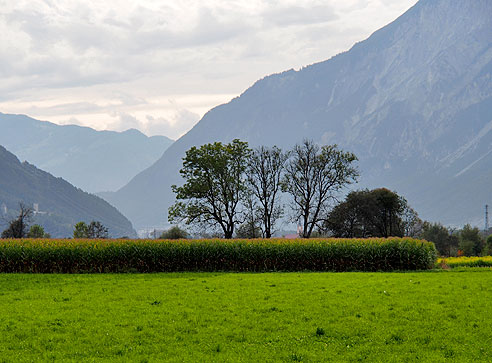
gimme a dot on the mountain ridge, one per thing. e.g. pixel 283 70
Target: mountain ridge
pixel 61 204
pixel 93 160
pixel 404 100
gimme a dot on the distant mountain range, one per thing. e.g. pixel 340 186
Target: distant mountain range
pixel 413 101
pixel 95 161
pixel 60 205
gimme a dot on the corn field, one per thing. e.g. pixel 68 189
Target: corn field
pixel 240 255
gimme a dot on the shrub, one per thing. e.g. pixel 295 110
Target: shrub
pixel 69 256
pixel 174 233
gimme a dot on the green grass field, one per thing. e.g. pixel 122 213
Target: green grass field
pixel 205 317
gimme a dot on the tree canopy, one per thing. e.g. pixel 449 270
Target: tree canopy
pixel 373 213
pixel 94 230
pixel 214 186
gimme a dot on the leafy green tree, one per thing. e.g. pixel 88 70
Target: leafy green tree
pixel 18 227
pixel 36 231
pixel 264 175
pixel 488 244
pixel 372 213
pixel 471 241
pixel 214 186
pixel 352 217
pixel 81 230
pixel 313 176
pixel 93 230
pixel 174 233
pixel 445 241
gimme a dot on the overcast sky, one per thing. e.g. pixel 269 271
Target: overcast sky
pixel 158 66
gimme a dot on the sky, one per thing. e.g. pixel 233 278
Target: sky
pixel 159 66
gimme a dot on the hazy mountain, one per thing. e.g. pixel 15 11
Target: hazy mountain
pixel 413 101
pixel 60 203
pixel 92 160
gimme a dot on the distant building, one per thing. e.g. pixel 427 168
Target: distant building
pixel 36 207
pixel 3 209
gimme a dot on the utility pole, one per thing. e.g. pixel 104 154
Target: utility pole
pixel 486 219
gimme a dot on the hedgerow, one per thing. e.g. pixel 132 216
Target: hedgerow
pixel 76 256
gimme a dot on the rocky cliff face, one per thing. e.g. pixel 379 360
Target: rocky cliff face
pixel 413 101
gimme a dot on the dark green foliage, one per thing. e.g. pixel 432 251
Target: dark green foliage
pixel 70 256
pixel 446 243
pixel 214 186
pixel 174 233
pixel 94 230
pixel 36 231
pixel 471 242
pixel 80 230
pixel 373 213
pixel 488 244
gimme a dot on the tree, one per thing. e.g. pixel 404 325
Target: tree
pixel 444 241
pixel 93 230
pixel 96 230
pixel 250 228
pixel 470 241
pixel 390 209
pixel 81 230
pixel 18 227
pixel 352 217
pixel 265 170
pixel 313 175
pixel 488 244
pixel 174 233
pixel 36 231
pixel 214 186
pixel 373 213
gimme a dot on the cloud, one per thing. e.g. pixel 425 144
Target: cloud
pixel 181 122
pixel 174 126
pixel 116 63
pixel 300 15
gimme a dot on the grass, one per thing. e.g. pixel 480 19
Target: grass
pixel 225 317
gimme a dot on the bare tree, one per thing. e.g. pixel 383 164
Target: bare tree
pixel 18 227
pixel 265 169
pixel 97 230
pixel 313 175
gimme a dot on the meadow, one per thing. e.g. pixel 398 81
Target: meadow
pixel 433 316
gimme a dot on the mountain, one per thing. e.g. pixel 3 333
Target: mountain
pixel 60 204
pixel 413 102
pixel 93 160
